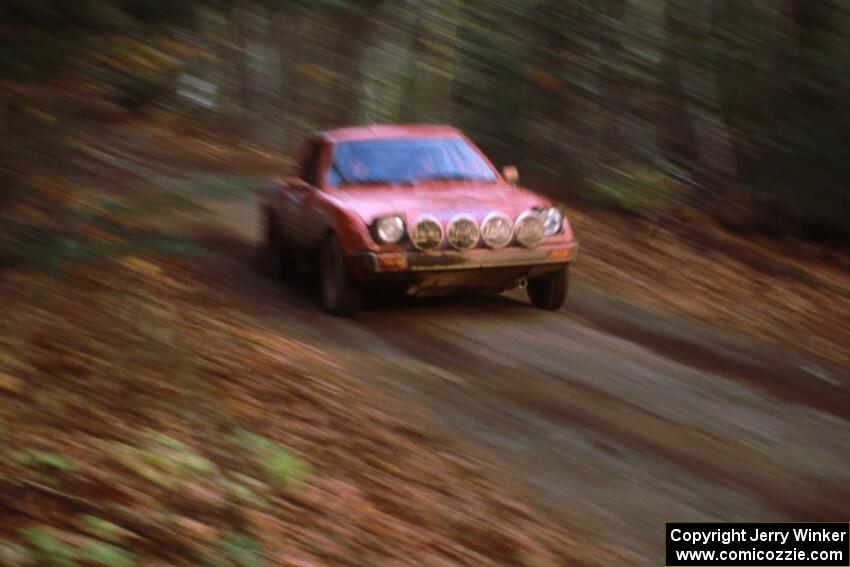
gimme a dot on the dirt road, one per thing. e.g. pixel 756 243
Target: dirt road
pixel 610 417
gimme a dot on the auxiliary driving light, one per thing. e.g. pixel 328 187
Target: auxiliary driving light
pixel 426 233
pixel 529 229
pixel 463 232
pixel 497 230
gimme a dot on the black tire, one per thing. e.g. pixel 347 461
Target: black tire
pixel 550 291
pixel 270 257
pixel 339 293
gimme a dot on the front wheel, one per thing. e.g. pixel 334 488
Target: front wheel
pixel 340 295
pixel 550 291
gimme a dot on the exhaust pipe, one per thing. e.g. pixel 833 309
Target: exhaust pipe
pixel 522 283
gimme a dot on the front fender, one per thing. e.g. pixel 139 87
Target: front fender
pixel 349 228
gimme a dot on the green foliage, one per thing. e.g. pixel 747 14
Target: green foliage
pixel 95 552
pixel 283 469
pixel 165 461
pixel 238 550
pixel 103 529
pixel 174 457
pixel 48 548
pixel 47 460
pixel 243 493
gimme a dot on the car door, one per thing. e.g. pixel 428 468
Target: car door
pixel 296 193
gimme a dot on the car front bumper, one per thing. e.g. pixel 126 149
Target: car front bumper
pixel 478 258
pixel 422 273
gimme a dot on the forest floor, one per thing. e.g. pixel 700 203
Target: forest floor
pixel 162 405
pixel 791 293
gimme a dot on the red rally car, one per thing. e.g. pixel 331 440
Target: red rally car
pixel 418 208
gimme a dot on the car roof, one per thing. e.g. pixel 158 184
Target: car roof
pixel 388 131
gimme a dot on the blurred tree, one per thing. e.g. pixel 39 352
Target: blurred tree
pixel 738 101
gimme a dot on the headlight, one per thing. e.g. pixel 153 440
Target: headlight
pixel 553 219
pixel 463 232
pixel 529 229
pixel 497 230
pixel 426 233
pixel 388 229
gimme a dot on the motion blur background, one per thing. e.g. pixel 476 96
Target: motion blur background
pixel 163 404
pixel 731 107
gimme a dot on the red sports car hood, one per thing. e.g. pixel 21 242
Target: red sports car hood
pixel 441 200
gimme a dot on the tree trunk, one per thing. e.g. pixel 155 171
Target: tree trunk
pixel 699 83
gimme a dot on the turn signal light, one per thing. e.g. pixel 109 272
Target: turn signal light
pixel 560 254
pixel 392 262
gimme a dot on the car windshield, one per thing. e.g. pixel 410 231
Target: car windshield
pixel 407 161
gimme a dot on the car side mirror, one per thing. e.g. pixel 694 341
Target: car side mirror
pixel 511 175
